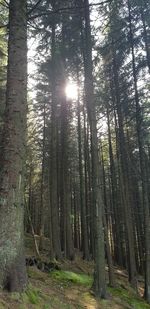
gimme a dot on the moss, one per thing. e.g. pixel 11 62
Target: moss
pixel 128 297
pixel 68 276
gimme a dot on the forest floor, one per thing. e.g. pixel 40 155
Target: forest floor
pixel 70 288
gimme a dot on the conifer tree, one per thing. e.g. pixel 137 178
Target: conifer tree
pixel 12 266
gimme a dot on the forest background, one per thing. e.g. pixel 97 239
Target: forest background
pixel 86 181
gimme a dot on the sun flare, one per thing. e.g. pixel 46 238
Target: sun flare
pixel 71 91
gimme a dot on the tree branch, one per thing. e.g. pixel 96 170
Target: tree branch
pixel 63 9
pixel 7 4
pixel 34 7
pixel 3 26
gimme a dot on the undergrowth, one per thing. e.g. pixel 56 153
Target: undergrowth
pixel 68 290
pixel 126 296
pixel 33 296
pixel 68 276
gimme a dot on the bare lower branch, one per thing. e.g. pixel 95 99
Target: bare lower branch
pixel 34 7
pixel 7 3
pixel 64 9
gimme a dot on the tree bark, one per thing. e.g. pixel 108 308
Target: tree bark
pixel 54 172
pixel 145 35
pixel 107 242
pixel 12 261
pixel 99 252
pixel 85 243
pixel 142 162
pixel 41 212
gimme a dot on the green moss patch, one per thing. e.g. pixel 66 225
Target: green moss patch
pixel 127 297
pixel 68 276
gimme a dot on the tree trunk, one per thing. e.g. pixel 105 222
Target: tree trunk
pixel 145 35
pixel 99 252
pixel 124 177
pixel 41 217
pixel 142 163
pixel 114 201
pixel 67 239
pixel 87 186
pixel 54 172
pixel 85 243
pixel 12 261
pixel 107 242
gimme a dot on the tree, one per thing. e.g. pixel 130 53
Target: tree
pixel 99 253
pixel 12 261
pixel 3 60
pixel 139 122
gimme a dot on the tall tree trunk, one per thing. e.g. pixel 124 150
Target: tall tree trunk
pixel 67 239
pixel 124 178
pixel 12 261
pixel 87 185
pixel 120 208
pixel 115 201
pixel 142 163
pixel 65 174
pixel 85 243
pixel 99 248
pixel 54 178
pixel 41 217
pixel 108 248
pixel 145 35
pixel 76 219
pixel 52 254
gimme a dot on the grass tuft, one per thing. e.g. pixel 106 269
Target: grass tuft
pixel 68 276
pixel 33 296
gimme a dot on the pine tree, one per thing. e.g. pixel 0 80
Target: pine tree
pixel 99 254
pixel 12 266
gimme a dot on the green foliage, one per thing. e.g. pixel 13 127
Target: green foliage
pixel 68 276
pixel 33 295
pixel 128 297
pixel 46 306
